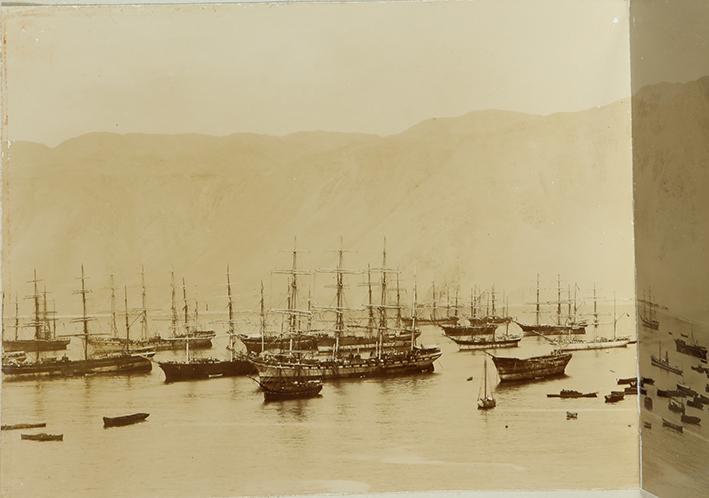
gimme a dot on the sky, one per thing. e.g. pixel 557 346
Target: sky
pixel 275 69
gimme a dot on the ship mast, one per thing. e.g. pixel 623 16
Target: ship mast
pixel 173 305
pixel 17 316
pixel 448 302
pixel 595 311
pixel 185 306
pixel 125 303
pixel 47 332
pixel 558 299
pixel 615 320
pixel 493 301
pixel 472 303
pixel 292 310
pixel 398 304
pixel 114 325
pixel 230 307
pixel 35 297
pixel 383 300
pixel 84 317
pixel 568 303
pixel 538 309
pixel 455 310
pixel 262 321
pixel 54 319
pixel 433 311
pixel 144 317
pixel 371 321
pixel 413 316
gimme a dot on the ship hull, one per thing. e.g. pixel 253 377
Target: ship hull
pixel 585 346
pixel 253 344
pixel 691 350
pixel 74 368
pixel 468 330
pixel 665 366
pixel 35 345
pixel 116 345
pixel 279 391
pixel 471 343
pixel 552 329
pixel 539 367
pixel 431 321
pixel 274 370
pixel 196 370
pixel 649 323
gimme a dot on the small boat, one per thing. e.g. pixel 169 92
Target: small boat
pixel 695 403
pixel 647 425
pixel 124 419
pixel 688 391
pixel 570 393
pixel 664 363
pixel 647 380
pixel 12 427
pixel 673 426
pixel 691 419
pixel 627 381
pixel 614 396
pixel 43 437
pixel 572 415
pixel 700 369
pixel 486 401
pixel 669 393
pixel 291 389
pixel 702 398
pixel 647 402
pixel 631 390
pixel 642 391
pixel 675 406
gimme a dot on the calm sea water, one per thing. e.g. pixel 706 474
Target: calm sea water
pixel 674 464
pixel 219 438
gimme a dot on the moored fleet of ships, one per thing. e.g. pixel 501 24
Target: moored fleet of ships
pixel 310 344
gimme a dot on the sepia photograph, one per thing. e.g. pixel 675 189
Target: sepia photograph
pixel 315 248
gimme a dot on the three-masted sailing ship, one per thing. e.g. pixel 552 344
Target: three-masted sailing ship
pixel 342 363
pixel 596 342
pixel 647 312
pixel 121 362
pixel 571 326
pixel 199 339
pixel 43 323
pixel 205 368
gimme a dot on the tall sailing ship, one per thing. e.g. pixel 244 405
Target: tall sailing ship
pixel 121 362
pixel 43 323
pixel 436 316
pixel 570 327
pixel 342 364
pixel 647 312
pixel 690 349
pixel 597 342
pixel 198 339
pixel 205 368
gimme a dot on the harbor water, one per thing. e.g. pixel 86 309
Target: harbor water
pixel 218 437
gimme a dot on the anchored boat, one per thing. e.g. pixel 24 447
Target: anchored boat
pixel 486 401
pixel 534 368
pixel 124 420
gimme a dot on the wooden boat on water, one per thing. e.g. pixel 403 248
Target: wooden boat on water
pixel 671 425
pixel 529 369
pixel 647 381
pixel 691 419
pixel 695 350
pixel 614 396
pixel 670 393
pixel 293 388
pixel 700 369
pixel 647 425
pixel 631 390
pixel 570 393
pixel 208 368
pixel 477 342
pixel 486 401
pixel 627 381
pixel 572 415
pixel 124 420
pixel 647 312
pixel 469 330
pixel 647 402
pixel 42 437
pixel 12 427
pixel 695 403
pixel 686 390
pixel 675 406
pixel 570 327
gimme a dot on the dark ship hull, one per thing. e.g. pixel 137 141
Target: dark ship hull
pixel 690 349
pixel 278 343
pixel 471 343
pixel 649 323
pixel 468 330
pixel 291 389
pixel 552 329
pixel 392 364
pixel 205 369
pixel 114 344
pixel 35 345
pixel 74 368
pixel 452 320
pixel 527 369
pixel 124 420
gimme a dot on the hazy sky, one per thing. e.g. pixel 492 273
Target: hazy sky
pixel 377 67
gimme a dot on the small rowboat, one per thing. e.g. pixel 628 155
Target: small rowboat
pixel 615 396
pixel 23 426
pixel 690 419
pixel 124 420
pixel 676 427
pixel 43 437
pixel 571 415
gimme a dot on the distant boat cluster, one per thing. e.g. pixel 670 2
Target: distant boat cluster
pixel 376 339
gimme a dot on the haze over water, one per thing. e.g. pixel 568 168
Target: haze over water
pixel 219 438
